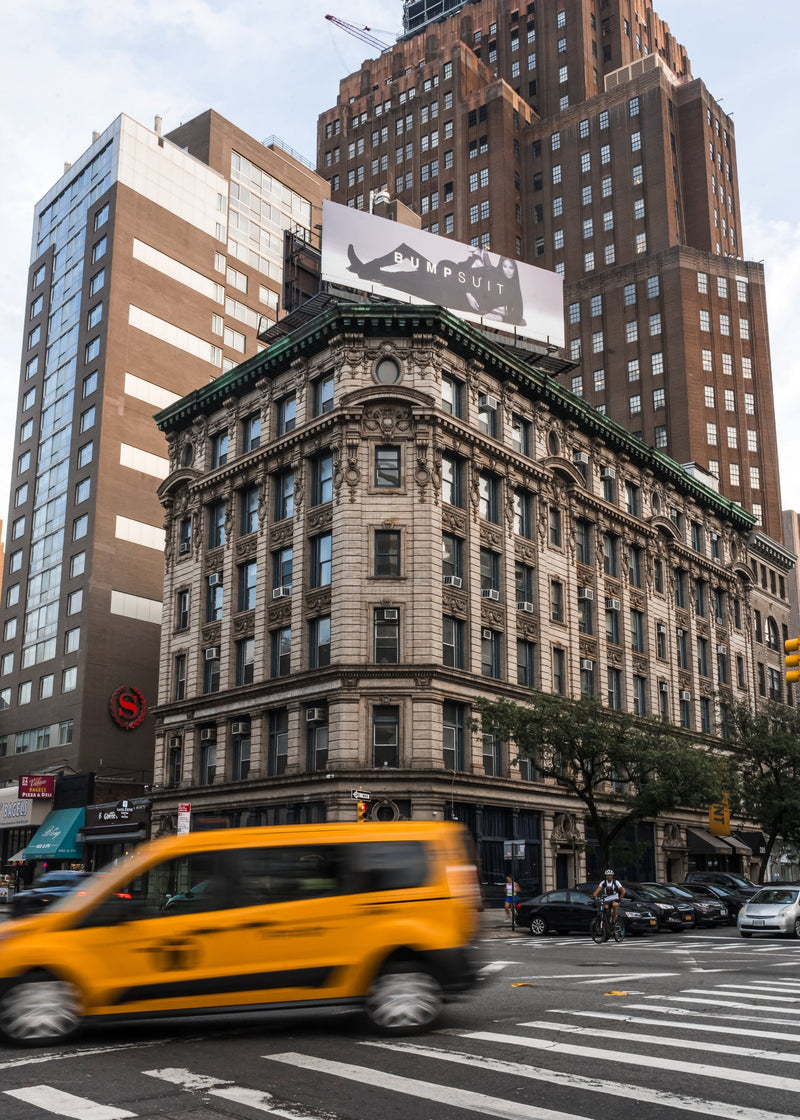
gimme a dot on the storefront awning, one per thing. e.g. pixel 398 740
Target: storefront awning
pixel 703 843
pixel 57 836
pixel 738 845
pixel 18 858
pixel 756 840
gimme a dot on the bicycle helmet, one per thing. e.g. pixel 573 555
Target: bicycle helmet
pixel 609 873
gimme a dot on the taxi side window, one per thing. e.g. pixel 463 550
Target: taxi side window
pixel 265 875
pixel 386 867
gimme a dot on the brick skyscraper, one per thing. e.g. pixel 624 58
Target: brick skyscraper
pixel 574 136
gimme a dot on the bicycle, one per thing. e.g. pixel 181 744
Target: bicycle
pixel 602 929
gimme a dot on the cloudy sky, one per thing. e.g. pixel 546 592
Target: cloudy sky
pixel 71 66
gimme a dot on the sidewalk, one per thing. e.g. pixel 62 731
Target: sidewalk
pixel 494 924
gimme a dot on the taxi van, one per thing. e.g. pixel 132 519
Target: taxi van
pixel 376 916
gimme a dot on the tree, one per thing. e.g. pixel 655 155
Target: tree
pixel 765 746
pixel 624 769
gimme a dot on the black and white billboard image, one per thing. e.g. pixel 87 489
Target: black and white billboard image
pixel 376 255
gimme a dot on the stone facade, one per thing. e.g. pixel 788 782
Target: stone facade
pixel 429 518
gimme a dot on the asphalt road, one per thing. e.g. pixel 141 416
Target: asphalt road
pixel 656 1028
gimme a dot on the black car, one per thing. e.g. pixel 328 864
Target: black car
pixel 671 913
pixel 734 900
pixel 567 910
pixel 728 879
pixel 710 910
pixel 51 887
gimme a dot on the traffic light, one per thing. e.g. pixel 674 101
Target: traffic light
pixel 792 647
pixel 361 811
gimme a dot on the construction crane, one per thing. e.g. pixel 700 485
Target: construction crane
pixel 361 33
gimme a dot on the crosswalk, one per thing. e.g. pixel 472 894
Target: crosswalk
pixel 727 1050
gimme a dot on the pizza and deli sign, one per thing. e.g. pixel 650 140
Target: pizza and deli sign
pixel 33 787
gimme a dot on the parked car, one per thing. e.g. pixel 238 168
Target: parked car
pixel 727 879
pixel 671 913
pixel 51 887
pixel 568 910
pixel 774 909
pixel 709 909
pixel 732 899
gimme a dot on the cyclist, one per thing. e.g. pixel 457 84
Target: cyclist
pixel 612 891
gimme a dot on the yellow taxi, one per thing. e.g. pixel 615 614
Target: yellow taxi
pixel 376 916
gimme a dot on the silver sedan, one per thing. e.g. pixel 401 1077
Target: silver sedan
pixel 774 909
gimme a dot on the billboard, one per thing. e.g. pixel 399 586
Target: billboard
pixel 375 255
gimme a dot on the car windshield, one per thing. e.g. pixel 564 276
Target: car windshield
pixel 775 896
pixel 654 892
pixel 740 881
pixel 679 892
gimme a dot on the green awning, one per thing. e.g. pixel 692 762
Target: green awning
pixel 56 837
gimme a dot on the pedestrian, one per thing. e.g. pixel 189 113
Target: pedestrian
pixel 512 892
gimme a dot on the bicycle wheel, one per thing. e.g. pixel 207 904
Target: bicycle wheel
pixel 597 931
pixel 619 931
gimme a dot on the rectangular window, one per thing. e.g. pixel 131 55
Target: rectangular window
pixel 387 466
pixel 386 636
pixel 286 414
pixel 452 642
pixel 387 553
pixel 319 643
pixel 451 395
pixel 248 510
pixel 323 395
pixel 245 660
pixel 386 735
pixel 322 478
pixel 453 722
pixel 489 497
pixel 281 649
pixel 211 666
pixel 320 574
pixel 251 432
pixel 247 582
pixel 284 495
pixel 278 744
pixel 216 515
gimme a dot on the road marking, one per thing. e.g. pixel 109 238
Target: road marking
pixel 426 1090
pixel 226 1090
pixel 726 1003
pixel 629 976
pixel 661 1040
pixel 746 991
pixel 701 1069
pixel 689 1011
pixel 494 966
pixel 90 1052
pixel 66 1104
pixel 718 1109
pixel 748 1032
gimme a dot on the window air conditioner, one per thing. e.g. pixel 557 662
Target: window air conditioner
pixel 212 653
pixel 722 649
pixel 580 458
pixel 490 593
pixel 451 581
pixel 185 546
pixel 587 664
pixel 661 628
pixel 208 735
pixel 523 605
pixel 173 741
pixel 487 634
pixel 215 579
pixel 240 728
pixel 679 632
pixel 664 687
pixel 613 605
pixel 316 715
pixel 390 615
pixel 586 593
pixel 607 473
pixel 281 592
pixel 488 401
pixel 685 694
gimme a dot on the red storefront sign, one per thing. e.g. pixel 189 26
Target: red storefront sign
pixel 37 786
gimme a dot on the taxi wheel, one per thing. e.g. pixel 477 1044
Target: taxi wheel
pixel 796 930
pixel 538 926
pixel 39 1009
pixel 403 999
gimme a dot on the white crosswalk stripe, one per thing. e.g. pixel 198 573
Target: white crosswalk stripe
pixel 596 1085
pixel 66 1104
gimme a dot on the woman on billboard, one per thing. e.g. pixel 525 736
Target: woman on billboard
pixel 475 284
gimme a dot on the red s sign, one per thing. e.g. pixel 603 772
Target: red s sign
pixel 128 708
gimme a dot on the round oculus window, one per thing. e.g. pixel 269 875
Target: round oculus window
pixel 387 371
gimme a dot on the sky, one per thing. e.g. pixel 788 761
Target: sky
pixel 70 67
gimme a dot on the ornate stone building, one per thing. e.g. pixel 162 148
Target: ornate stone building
pixel 388 514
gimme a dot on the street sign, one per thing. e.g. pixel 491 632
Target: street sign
pixel 360 795
pixel 513 849
pixel 184 817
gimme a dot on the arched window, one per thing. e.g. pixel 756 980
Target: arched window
pixel 772 634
